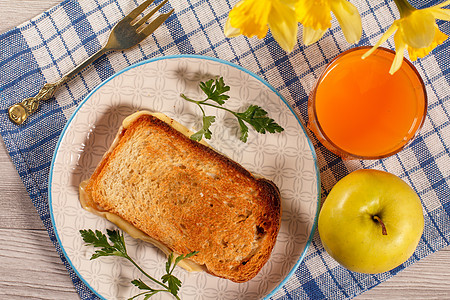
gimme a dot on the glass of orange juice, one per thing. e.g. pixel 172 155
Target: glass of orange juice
pixel 360 111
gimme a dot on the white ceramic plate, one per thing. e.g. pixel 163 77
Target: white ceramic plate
pixel 286 158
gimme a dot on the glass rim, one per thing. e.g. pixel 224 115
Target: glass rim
pixel 321 135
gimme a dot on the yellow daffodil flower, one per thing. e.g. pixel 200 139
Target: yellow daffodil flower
pixel 416 30
pixel 315 15
pixel 255 17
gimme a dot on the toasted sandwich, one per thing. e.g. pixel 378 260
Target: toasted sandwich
pixel 181 195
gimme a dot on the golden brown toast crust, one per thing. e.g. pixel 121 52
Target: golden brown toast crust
pixel 190 198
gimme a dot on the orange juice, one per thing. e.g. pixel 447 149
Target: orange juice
pixel 359 110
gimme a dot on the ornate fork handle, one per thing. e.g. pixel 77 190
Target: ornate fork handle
pixel 19 112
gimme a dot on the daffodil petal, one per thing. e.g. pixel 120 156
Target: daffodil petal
pixel 284 26
pixel 314 13
pixel 383 39
pixel 440 13
pixel 251 17
pixel 310 35
pixel 348 17
pixel 439 38
pixel 230 31
pixel 445 3
pixel 417 29
pixel 290 3
pixel 400 47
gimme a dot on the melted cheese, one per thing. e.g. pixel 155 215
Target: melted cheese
pixel 176 125
pixel 134 232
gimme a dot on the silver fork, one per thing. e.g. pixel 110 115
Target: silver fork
pixel 125 34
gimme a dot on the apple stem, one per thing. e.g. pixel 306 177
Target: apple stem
pixel 383 227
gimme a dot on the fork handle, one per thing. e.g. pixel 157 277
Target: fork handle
pixel 19 112
pixel 86 63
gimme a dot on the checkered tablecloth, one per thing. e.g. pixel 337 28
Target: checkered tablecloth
pixel 46 47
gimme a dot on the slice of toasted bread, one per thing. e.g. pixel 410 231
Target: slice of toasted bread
pixel 188 197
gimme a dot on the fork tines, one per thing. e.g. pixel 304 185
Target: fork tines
pixel 138 10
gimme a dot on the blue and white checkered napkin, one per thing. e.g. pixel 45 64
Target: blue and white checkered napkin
pixel 44 48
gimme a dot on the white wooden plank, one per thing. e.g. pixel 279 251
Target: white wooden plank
pixel 31 268
pixel 427 279
pixel 16 12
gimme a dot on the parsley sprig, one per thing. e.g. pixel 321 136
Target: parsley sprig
pixel 114 245
pixel 255 116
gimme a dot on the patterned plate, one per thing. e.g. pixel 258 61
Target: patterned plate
pixel 288 159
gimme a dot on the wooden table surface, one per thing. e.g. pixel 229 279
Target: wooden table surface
pixel 30 266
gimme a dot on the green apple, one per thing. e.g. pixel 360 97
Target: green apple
pixel 371 221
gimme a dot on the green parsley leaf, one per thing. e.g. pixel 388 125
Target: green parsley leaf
pixel 169 263
pixel 141 285
pixel 144 287
pixel 117 239
pixel 173 282
pixel 255 116
pixel 244 131
pixel 98 239
pixel 205 131
pixel 147 296
pixel 215 89
pixel 114 245
pixel 184 256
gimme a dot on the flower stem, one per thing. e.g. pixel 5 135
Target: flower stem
pixel 404 8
